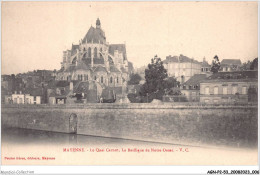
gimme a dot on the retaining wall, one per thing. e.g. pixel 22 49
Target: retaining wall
pixel 182 124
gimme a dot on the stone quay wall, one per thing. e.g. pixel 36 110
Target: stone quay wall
pixel 191 124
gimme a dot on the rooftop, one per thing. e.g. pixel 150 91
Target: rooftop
pixel 120 47
pixel 95 35
pixel 181 59
pixel 236 76
pixel 231 62
pixel 195 80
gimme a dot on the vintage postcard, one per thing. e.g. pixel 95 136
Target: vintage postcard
pixel 129 83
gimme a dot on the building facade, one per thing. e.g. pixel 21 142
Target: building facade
pixel 191 88
pixel 94 59
pixel 205 67
pixel 23 98
pixel 227 65
pixel 227 87
pixel 181 67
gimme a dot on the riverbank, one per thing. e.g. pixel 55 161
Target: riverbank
pixel 186 124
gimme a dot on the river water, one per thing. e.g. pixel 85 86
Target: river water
pixel 38 137
pixel 25 143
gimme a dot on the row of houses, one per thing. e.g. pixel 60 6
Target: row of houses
pixel 24 97
pixel 222 87
pixel 183 68
pixel 68 92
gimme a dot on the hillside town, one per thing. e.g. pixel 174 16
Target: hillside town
pixel 95 71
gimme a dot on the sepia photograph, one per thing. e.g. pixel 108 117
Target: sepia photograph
pixel 130 83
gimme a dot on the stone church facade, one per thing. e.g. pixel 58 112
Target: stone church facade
pixel 94 59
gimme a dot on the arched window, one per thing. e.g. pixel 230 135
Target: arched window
pixel 101 49
pixel 95 52
pixel 117 79
pixel 87 77
pixel 81 77
pixel 111 80
pixel 84 49
pixel 89 52
pixel 95 77
pixel 101 79
pixel 78 77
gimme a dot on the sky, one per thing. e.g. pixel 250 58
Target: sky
pixel 34 34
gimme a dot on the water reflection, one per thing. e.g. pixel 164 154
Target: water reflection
pixel 37 137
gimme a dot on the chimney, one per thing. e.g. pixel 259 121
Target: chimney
pixel 71 86
pixel 14 92
pixel 20 92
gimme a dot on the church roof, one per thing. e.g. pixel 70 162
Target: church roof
pixel 94 34
pixel 119 47
pixel 113 69
pixel 110 60
pixel 70 68
pixel 87 61
pixel 123 70
pixel 99 60
pixel 74 49
pixel 99 69
pixel 82 66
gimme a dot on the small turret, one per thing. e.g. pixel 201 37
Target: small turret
pixel 98 24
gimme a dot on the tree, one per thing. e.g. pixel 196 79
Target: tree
pixel 246 65
pixel 171 85
pixel 156 80
pixel 134 79
pixel 254 65
pixel 215 65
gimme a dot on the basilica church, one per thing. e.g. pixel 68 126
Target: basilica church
pixel 94 59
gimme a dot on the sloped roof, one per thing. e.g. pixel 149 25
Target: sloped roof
pixel 195 79
pixel 230 62
pixel 183 58
pixel 94 34
pixel 84 87
pixel 99 69
pixel 120 47
pixel 180 58
pixel 130 65
pixel 113 69
pixel 62 83
pixel 123 70
pixel 82 66
pixel 71 68
pixel 62 94
pixel 205 64
pixel 170 59
pixel 99 60
pixel 110 60
pixel 236 76
pixel 74 49
pixel 87 61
